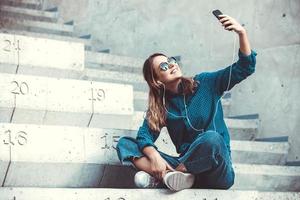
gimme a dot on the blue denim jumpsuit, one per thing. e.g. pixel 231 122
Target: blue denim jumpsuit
pixel 205 153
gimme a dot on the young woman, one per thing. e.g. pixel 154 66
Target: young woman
pixel 191 110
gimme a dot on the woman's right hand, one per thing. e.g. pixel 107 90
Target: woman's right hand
pixel 159 166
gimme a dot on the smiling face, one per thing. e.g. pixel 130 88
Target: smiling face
pixel 173 73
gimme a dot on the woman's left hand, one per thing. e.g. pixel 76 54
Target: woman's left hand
pixel 231 24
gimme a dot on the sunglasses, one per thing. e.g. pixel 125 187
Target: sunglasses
pixel 164 66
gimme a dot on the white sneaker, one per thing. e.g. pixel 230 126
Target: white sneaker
pixel 144 180
pixel 177 180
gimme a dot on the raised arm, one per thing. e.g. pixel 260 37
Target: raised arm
pixel 241 69
pixel 232 24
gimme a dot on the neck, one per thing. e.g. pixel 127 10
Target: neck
pixel 173 86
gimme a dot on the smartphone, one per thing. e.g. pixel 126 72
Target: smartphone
pixel 217 13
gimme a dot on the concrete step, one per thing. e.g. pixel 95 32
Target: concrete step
pixel 247 177
pixel 242 151
pixel 78 39
pixel 21 106
pixel 30 14
pixel 141 102
pixel 42 100
pixel 31 4
pixel 263 177
pixel 239 129
pixel 30 1
pixel 36 26
pixel 104 61
pixel 32 67
pixel 242 129
pixel 9 193
pixel 251 121
pixel 136 80
pixel 31 55
pixel 86 157
pixel 250 152
pixel 41 174
pixel 259 152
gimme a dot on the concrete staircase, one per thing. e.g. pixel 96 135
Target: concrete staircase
pixel 64 106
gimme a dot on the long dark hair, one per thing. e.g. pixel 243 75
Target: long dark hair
pixel 156 114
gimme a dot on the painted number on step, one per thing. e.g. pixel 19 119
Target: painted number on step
pixel 109 140
pixel 10 46
pixel 21 88
pixel 10 138
pixel 97 94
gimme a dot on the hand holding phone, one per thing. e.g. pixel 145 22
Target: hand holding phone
pixel 216 13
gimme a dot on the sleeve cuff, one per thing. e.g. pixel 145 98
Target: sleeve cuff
pixel 244 56
pixel 143 145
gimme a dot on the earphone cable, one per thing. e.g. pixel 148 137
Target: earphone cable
pixel 216 108
pixel 228 85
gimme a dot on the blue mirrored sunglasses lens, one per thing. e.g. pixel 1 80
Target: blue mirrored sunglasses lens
pixel 172 60
pixel 164 66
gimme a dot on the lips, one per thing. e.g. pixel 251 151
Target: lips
pixel 174 70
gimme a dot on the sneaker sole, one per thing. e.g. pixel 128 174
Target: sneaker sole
pixel 179 181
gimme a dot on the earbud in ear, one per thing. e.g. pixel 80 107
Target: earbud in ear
pixel 160 84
